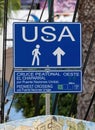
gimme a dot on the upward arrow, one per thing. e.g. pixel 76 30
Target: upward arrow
pixel 58 52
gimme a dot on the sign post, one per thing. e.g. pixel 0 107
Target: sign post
pixel 47 103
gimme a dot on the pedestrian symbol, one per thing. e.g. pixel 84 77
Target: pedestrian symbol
pixel 36 54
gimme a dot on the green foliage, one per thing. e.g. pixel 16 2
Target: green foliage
pixel 1 10
pixel 64 104
pixel 1 4
pixel 12 5
pixel 29 102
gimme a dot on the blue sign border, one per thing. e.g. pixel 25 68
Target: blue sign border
pixel 52 91
pixel 80 60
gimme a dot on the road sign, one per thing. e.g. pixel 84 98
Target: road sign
pixel 41 45
pixel 66 81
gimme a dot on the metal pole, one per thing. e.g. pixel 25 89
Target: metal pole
pixel 93 97
pixel 30 10
pixel 50 19
pixel 50 9
pixel 9 84
pixel 54 109
pixel 47 104
pixel 75 12
pixel 7 116
pixel 4 60
pixel 43 11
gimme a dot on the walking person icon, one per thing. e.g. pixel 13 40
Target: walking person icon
pixel 36 54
